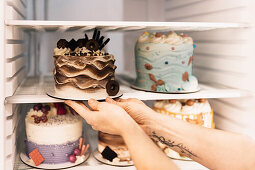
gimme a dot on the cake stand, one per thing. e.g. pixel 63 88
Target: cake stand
pixel 50 91
pixel 177 92
pixel 100 158
pixel 24 158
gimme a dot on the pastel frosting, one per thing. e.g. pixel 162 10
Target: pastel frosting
pixel 164 63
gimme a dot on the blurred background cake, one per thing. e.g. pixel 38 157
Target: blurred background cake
pixel 112 147
pixel 54 132
pixel 83 68
pixel 164 62
pixel 196 111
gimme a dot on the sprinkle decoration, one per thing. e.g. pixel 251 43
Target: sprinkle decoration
pixel 148 66
pixel 194 45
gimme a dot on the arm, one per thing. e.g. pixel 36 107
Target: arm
pixel 145 154
pixel 214 149
pixel 112 119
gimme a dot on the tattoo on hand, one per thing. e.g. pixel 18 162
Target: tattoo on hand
pixel 170 143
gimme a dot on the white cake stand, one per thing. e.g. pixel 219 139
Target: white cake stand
pixel 100 158
pixel 24 158
pixel 50 91
pixel 177 92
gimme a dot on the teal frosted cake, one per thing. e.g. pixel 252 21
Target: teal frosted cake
pixel 164 62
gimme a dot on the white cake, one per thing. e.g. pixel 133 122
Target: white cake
pixel 55 136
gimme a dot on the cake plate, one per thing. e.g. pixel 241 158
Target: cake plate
pixel 100 158
pixel 177 92
pixel 50 91
pixel 24 158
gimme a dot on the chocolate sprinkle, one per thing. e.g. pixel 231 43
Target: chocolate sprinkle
pixel 109 154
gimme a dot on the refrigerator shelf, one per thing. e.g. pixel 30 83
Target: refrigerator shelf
pixel 42 25
pixel 32 90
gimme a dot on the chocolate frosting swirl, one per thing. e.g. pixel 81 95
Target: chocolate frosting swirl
pixel 83 72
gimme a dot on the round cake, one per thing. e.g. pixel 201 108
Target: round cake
pixel 193 111
pixel 83 68
pixel 54 131
pixel 112 147
pixel 164 63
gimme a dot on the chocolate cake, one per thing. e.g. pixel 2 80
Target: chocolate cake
pixel 83 68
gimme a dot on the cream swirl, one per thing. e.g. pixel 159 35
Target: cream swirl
pixel 197 108
pixel 173 107
pixel 159 104
pixel 172 38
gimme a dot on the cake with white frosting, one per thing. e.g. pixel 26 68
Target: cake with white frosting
pixel 83 68
pixel 113 147
pixel 164 62
pixel 55 131
pixel 196 111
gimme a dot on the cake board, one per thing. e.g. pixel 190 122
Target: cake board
pixel 26 160
pixel 100 158
pixel 177 92
pixel 50 91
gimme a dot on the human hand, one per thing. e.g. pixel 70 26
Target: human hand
pixel 102 116
pixel 139 111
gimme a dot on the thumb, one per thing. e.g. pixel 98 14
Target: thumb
pixel 93 104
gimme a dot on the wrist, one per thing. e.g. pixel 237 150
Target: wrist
pixel 128 127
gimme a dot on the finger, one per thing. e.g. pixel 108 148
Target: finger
pixel 110 100
pixel 93 104
pixel 83 105
pixel 81 109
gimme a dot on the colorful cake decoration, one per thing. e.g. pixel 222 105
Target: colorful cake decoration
pixel 36 156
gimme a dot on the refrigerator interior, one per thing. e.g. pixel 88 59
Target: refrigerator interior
pixel 223 57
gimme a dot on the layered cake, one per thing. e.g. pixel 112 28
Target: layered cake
pixel 164 63
pixel 113 148
pixel 54 133
pixel 193 111
pixel 83 68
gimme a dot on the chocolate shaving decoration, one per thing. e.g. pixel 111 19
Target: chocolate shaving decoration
pixel 92 45
pixel 112 87
pixel 94 34
pixel 62 43
pixel 98 35
pixel 72 44
pixel 109 154
pixel 104 44
pixel 100 41
pixel 86 38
